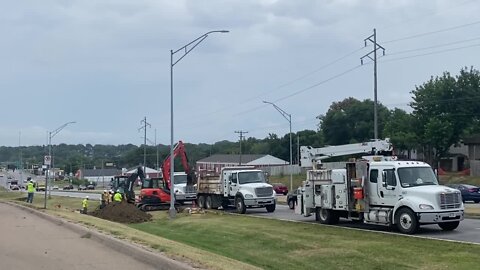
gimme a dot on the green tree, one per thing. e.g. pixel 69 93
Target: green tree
pixel 351 121
pixel 400 129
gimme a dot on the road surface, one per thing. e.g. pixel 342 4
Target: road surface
pixel 468 230
pixel 30 242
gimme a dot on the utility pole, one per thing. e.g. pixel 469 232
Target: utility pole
pixel 20 169
pixel 376 46
pixel 158 165
pixel 241 132
pixel 144 127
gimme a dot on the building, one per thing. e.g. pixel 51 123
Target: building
pixel 216 162
pixel 149 172
pixel 98 175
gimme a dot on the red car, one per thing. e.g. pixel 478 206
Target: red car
pixel 280 188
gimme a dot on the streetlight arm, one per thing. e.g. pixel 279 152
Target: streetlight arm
pixel 195 43
pixel 282 112
pixel 56 131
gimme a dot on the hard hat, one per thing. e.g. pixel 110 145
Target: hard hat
pixel 104 190
pixel 86 197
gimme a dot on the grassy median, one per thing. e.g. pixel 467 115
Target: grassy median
pixel 223 241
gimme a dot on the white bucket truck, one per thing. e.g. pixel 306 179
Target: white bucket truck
pixel 239 187
pixel 378 190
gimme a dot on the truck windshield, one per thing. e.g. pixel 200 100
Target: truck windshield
pixel 180 179
pixel 251 177
pixel 417 176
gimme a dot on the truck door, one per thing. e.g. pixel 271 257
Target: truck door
pixel 387 189
pixel 234 186
pixel 373 191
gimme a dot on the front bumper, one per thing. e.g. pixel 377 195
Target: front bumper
pixel 438 217
pixel 259 202
pixel 185 197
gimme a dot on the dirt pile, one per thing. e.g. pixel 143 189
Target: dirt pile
pixel 122 212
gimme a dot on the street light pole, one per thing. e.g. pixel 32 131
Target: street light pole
pixel 52 134
pixel 186 49
pixel 289 119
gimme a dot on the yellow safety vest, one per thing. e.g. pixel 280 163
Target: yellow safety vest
pixel 117 197
pixel 85 203
pixel 30 188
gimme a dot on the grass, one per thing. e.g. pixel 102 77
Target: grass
pixel 456 178
pixel 272 244
pixel 222 241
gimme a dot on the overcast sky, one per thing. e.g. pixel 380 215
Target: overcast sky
pixel 106 64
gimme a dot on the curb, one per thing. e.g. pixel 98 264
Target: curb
pixel 137 252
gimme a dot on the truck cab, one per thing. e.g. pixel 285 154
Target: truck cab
pixel 183 191
pixel 382 191
pixel 248 188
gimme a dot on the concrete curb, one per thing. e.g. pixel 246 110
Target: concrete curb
pixel 137 252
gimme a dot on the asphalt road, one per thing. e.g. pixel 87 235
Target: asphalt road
pixel 31 242
pixel 468 230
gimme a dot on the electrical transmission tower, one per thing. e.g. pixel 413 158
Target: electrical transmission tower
pixel 241 132
pixel 376 46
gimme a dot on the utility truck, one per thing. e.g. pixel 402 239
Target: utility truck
pixel 377 190
pixel 239 187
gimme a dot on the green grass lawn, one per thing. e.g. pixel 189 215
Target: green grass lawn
pixel 272 244
pixel 285 179
pixel 222 241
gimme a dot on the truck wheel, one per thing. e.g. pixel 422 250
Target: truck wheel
pixel 201 201
pixel 449 226
pixel 270 208
pixel 208 202
pixel 291 204
pixel 240 205
pixel 406 221
pixel 326 216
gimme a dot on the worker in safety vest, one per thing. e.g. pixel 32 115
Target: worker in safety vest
pixel 85 205
pixel 105 199
pixel 30 191
pixel 117 197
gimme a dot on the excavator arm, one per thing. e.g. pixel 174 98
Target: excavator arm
pixel 311 157
pixel 178 150
pixel 129 192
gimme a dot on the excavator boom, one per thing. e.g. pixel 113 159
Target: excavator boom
pixel 178 150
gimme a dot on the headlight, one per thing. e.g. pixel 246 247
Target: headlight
pixel 425 207
pixel 248 196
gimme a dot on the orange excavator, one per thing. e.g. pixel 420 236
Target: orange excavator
pixel 155 193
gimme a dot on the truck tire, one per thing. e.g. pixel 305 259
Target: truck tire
pixel 326 216
pixel 270 208
pixel 406 221
pixel 291 204
pixel 208 202
pixel 240 205
pixel 449 226
pixel 201 201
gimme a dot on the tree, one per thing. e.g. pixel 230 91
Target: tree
pixel 351 121
pixel 445 108
pixel 399 127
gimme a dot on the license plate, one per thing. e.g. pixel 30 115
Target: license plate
pixel 452 215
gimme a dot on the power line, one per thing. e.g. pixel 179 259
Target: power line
pixel 430 53
pixel 432 32
pixel 434 46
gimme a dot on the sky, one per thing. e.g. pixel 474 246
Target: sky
pixel 105 65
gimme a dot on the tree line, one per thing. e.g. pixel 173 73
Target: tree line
pixel 444 110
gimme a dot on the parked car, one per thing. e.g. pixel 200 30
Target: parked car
pixel 91 187
pixel 14 187
pixel 469 192
pixel 292 198
pixel 280 188
pixel 55 187
pixel 82 187
pixel 67 187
